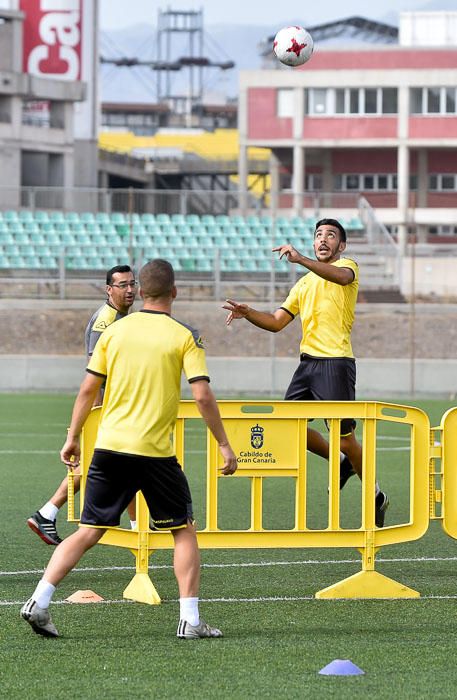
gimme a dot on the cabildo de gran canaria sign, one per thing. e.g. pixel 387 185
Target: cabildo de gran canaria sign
pixel 266 444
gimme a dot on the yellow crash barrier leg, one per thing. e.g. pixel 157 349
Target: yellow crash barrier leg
pixel 367 583
pixel 141 589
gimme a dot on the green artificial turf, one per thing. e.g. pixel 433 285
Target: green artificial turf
pixel 277 635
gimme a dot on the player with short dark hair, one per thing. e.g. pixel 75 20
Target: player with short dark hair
pixel 120 291
pixel 325 299
pixel 141 358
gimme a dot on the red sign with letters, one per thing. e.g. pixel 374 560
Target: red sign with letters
pixel 52 38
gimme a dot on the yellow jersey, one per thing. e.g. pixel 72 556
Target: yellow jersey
pixel 326 311
pixel 142 357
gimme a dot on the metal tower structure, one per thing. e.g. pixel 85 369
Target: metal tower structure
pixel 178 30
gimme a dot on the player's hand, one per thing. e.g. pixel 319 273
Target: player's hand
pixel 236 310
pixel 70 453
pixel 230 463
pixel 289 252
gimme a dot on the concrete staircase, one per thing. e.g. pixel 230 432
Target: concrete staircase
pixel 378 279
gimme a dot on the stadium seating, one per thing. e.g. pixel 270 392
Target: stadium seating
pixel 37 240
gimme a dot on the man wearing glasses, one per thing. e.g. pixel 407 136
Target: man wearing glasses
pixel 121 290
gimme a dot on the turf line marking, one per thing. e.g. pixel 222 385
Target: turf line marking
pixel 29 452
pixel 262 599
pixel 244 565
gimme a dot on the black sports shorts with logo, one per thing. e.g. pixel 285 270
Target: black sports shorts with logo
pixel 324 379
pixel 115 477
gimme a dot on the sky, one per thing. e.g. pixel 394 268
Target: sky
pixel 269 12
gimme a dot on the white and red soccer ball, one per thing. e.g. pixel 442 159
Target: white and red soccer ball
pixel 293 46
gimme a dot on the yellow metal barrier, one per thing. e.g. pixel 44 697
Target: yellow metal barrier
pixel 269 438
pixel 443 481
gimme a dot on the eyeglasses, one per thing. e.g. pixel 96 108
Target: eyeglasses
pixel 124 285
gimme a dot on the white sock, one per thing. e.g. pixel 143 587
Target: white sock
pixel 188 610
pixel 43 593
pixel 49 511
pixel 342 457
pixel 376 489
pixel 133 524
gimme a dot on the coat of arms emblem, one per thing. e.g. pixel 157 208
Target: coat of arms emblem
pixel 257 436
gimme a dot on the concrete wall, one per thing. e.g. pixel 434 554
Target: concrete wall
pixel 433 276
pixel 377 378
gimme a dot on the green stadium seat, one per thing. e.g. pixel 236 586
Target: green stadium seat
pixel 87 217
pixel 72 217
pixel 263 265
pixel 178 219
pixel 48 262
pixel 208 219
pixel 11 249
pixel 16 261
pixel 4 262
pixel 230 265
pixel 56 217
pixel 26 216
pixel 41 217
pixel 188 264
pixel 148 218
pixel 32 262
pixel 102 217
pixel 203 265
pixel 222 220
pixel 118 217
pixel 6 237
pixel 15 227
pixel 67 238
pixel 249 265
pixel 193 220
pixel 52 238
pixel 10 216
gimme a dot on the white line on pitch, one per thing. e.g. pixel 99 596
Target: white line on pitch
pixel 261 599
pixel 245 565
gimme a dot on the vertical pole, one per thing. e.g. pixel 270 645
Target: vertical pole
pixel 130 215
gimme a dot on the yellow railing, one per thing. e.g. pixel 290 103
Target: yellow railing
pixel 269 438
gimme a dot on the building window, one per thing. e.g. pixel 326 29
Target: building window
pixel 437 100
pixel 443 182
pixel 450 101
pixel 433 100
pixel 318 103
pixel 370 182
pixel 371 101
pixel 285 102
pixel 313 182
pixel 389 100
pixel 351 101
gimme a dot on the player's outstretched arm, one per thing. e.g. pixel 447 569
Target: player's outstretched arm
pixel 70 452
pixel 207 405
pixel 339 275
pixel 273 322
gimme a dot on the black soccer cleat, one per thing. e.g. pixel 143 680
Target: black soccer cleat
pixel 44 528
pixel 346 471
pixel 380 507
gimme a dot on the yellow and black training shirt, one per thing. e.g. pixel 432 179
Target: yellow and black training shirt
pixel 326 311
pixel 142 357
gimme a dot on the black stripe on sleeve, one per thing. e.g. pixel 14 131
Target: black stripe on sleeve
pixel 97 374
pixel 197 379
pixel 287 311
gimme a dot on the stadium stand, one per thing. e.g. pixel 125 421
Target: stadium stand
pixel 87 241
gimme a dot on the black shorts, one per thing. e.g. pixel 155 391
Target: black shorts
pixel 324 379
pixel 115 477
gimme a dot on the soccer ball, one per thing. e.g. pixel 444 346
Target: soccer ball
pixel 293 46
